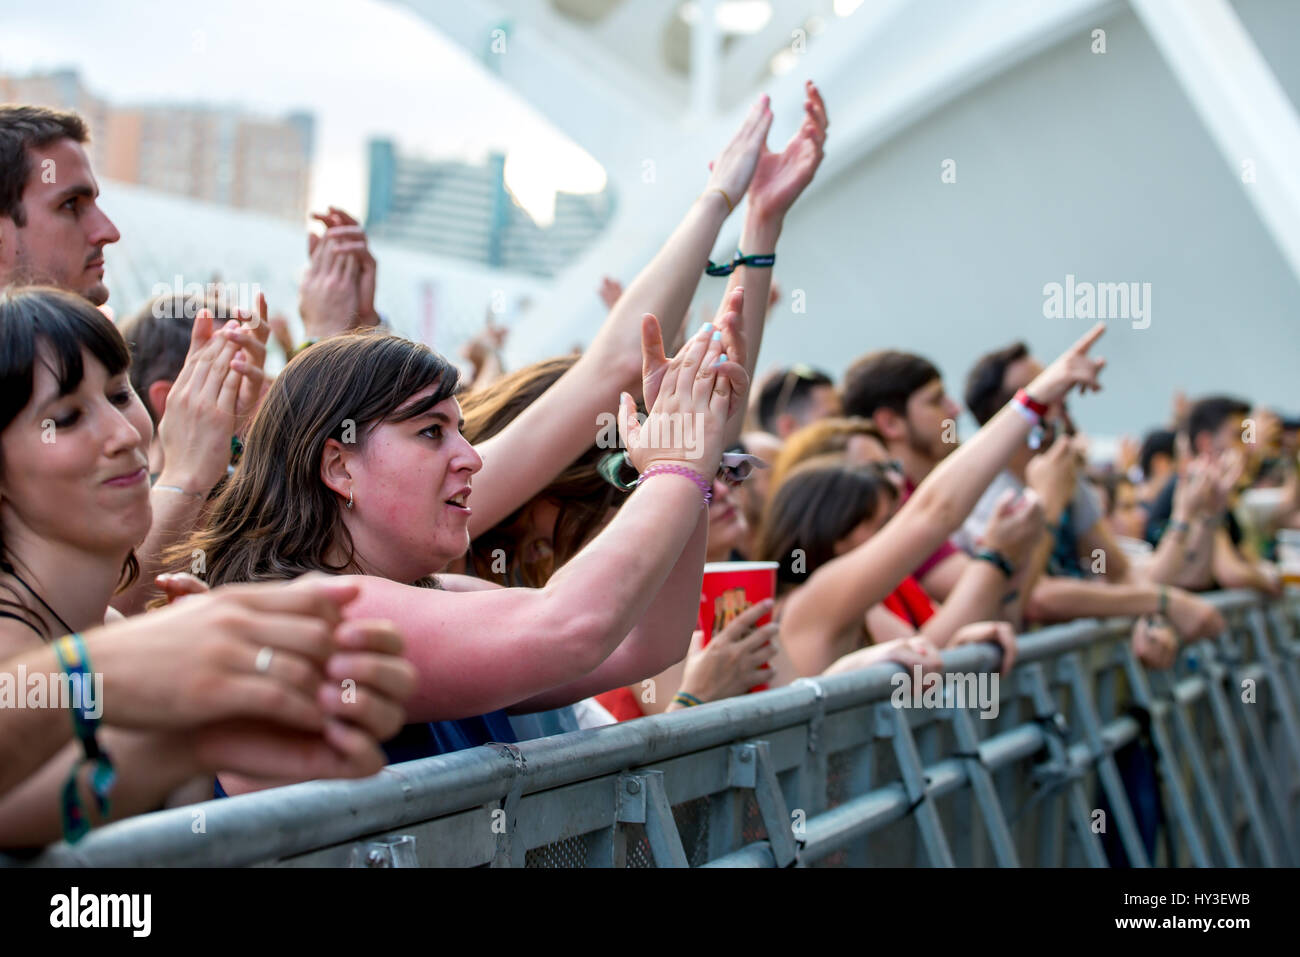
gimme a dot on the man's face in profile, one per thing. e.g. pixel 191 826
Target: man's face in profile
pixel 62 240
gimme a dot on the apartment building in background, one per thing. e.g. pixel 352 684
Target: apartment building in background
pixel 216 154
pixel 465 211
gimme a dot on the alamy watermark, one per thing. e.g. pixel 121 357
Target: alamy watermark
pixel 663 430
pixel 83 692
pixel 974 690
pixel 225 300
pixel 1102 300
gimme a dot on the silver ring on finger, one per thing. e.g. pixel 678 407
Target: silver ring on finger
pixel 263 661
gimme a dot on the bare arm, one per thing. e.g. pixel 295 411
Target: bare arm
pixel 658 641
pixel 1231 570
pixel 838 594
pixel 555 430
pixel 778 181
pixel 216 391
pixel 480 651
pixel 977 597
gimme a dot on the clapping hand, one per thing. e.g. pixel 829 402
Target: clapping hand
pixel 779 178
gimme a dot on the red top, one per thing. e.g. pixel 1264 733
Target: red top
pixel 909 602
pixel 621 703
pixel 945 550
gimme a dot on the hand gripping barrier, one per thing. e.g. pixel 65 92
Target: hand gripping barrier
pixel 1080 757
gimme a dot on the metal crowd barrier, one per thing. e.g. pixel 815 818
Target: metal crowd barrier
pixel 832 772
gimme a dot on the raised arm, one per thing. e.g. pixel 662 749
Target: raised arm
pixel 836 595
pixel 779 180
pixel 213 397
pixel 555 430
pixel 480 651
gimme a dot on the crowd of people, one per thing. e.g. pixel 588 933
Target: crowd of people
pixel 372 557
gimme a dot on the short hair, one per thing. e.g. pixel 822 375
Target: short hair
pixel 787 390
pixel 1208 414
pixel 158 336
pixel 885 380
pixel 1157 442
pixel 985 393
pixel 24 128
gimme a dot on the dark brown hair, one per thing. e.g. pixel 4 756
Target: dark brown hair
pixel 275 518
pixel 985 393
pixel 24 128
pixel 33 318
pixel 885 380
pixel 818 504
pixel 582 496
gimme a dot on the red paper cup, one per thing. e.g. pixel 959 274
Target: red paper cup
pixel 729 589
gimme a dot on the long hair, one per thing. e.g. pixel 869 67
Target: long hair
pixel 40 323
pixel 819 503
pixel 275 519
pixel 581 495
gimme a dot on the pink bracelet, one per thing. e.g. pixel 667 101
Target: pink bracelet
pixel 700 481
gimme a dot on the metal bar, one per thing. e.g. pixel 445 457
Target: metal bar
pixel 683 753
pixel 1104 761
pixel 917 787
pixel 1077 811
pixel 1167 765
pixel 1264 767
pixel 1215 673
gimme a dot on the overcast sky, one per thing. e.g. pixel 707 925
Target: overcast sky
pixel 362 67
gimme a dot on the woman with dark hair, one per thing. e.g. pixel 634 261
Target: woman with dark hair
pixel 355 464
pixel 74 502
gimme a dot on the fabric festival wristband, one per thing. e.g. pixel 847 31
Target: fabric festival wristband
pixel 997 560
pixel 686 700
pixel 703 484
pixel 75 662
pixel 1038 408
pixel 726 269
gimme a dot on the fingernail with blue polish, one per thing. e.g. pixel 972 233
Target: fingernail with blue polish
pixel 721 359
pixel 717 334
pixel 705 328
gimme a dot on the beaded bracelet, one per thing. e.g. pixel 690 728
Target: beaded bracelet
pixel 700 481
pixel 686 700
pixel 75 662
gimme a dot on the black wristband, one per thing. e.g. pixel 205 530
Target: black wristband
pixel 997 560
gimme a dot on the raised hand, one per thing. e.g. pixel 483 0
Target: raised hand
pixel 1015 525
pixel 779 178
pixel 203 405
pixel 368 268
pixel 1053 474
pixel 249 362
pixel 609 291
pixel 328 297
pixel 688 416
pixel 732 171
pixel 654 361
pixel 1073 367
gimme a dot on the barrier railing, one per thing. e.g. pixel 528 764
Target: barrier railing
pixel 855 769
